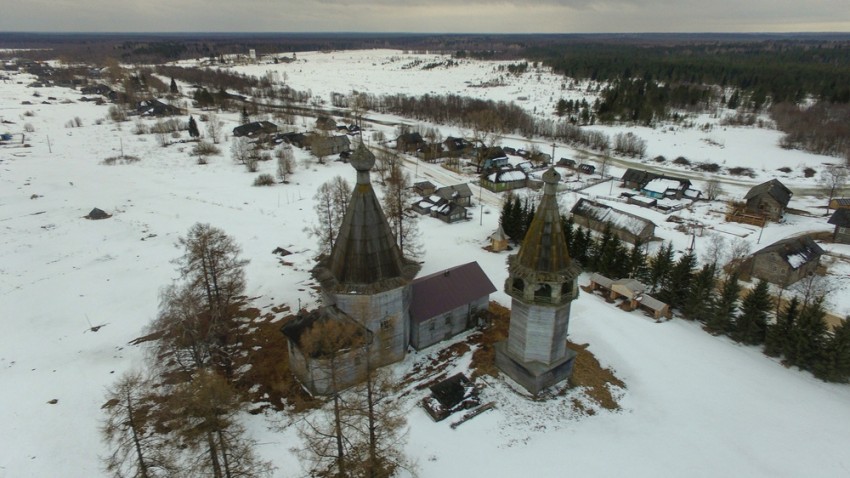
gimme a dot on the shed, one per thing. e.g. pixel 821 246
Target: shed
pixel 96 214
pixel 841 220
pixel 839 203
pixel 499 240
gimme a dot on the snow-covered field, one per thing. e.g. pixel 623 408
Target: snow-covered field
pixel 695 405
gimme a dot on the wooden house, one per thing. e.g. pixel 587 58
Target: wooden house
pixel 769 199
pixel 459 194
pixel 255 129
pixel 504 180
pixel 784 262
pixel 839 203
pixel 156 108
pixel 442 209
pixel 322 146
pixel 409 142
pixel 424 188
pixel 456 147
pixel 446 303
pixel 490 158
pixel 628 227
pixel 666 187
pixel 841 220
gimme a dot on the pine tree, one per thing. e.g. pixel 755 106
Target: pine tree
pixel 173 88
pixel 700 295
pixel 516 221
pixel 720 320
pixel 595 261
pixel 776 343
pixel 751 324
pixel 193 128
pixel 808 336
pixel 835 366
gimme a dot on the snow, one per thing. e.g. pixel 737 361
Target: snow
pixel 506 176
pixel 796 260
pixel 661 185
pixel 695 405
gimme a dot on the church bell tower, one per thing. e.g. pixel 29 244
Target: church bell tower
pixel 542 283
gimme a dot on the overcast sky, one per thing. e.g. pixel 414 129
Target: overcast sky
pixel 437 16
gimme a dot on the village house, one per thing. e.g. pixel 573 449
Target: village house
pixel 490 158
pixel 784 262
pixel 504 180
pixel 296 139
pixel 323 146
pixel 769 199
pixel 156 108
pixel 456 147
pixel 447 303
pixel 459 194
pixel 841 220
pixel 445 210
pixel 255 129
pixel 658 186
pixel 409 142
pixel 839 203
pixel 424 188
pixel 597 216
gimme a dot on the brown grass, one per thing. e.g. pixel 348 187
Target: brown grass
pixel 587 372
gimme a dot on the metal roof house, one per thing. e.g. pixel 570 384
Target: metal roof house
pixel 446 303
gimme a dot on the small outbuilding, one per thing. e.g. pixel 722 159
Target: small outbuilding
pixel 96 214
pixel 499 240
pixel 841 220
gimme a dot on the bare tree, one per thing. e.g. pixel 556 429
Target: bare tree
pixel 811 288
pixel 137 449
pixel 241 150
pixel 204 417
pixel 834 179
pixel 398 196
pixel 330 435
pixel 331 203
pixel 214 126
pixel 214 272
pixel 382 427
pixel 713 190
pixel 285 162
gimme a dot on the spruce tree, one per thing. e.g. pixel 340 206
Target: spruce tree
pixel 193 128
pixel 835 366
pixel 569 228
pixel 595 262
pixel 700 294
pixel 674 290
pixel 720 320
pixel 246 118
pixel 516 220
pixel 776 343
pixel 637 267
pixel 751 324
pixel 173 87
pixel 808 336
pixel 660 266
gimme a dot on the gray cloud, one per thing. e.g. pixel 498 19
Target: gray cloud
pixel 523 16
